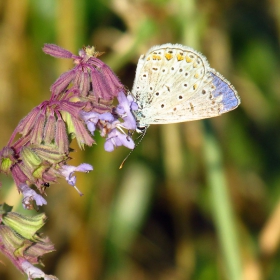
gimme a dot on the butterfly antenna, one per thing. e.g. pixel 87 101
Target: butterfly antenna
pixel 142 136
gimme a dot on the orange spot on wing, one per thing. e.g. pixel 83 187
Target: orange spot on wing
pixel 168 56
pixel 156 57
pixel 180 57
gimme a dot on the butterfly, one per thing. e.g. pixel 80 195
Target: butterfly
pixel 175 83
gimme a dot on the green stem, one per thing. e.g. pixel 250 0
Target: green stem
pixel 222 206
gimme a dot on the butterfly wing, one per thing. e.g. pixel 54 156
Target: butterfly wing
pixel 174 83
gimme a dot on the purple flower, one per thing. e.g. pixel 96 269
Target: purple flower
pixel 68 172
pixel 108 123
pixel 108 117
pixel 116 139
pixel 104 122
pixel 29 196
pixel 45 123
pixel 90 76
pixel 126 105
pixel 91 119
pixel 81 102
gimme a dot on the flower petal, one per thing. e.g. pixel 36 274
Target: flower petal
pixel 84 167
pixel 33 272
pixel 56 51
pixel 29 196
pixel 63 82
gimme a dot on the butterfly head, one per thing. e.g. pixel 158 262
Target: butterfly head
pixel 141 129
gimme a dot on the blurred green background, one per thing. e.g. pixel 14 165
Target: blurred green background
pixel 198 200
